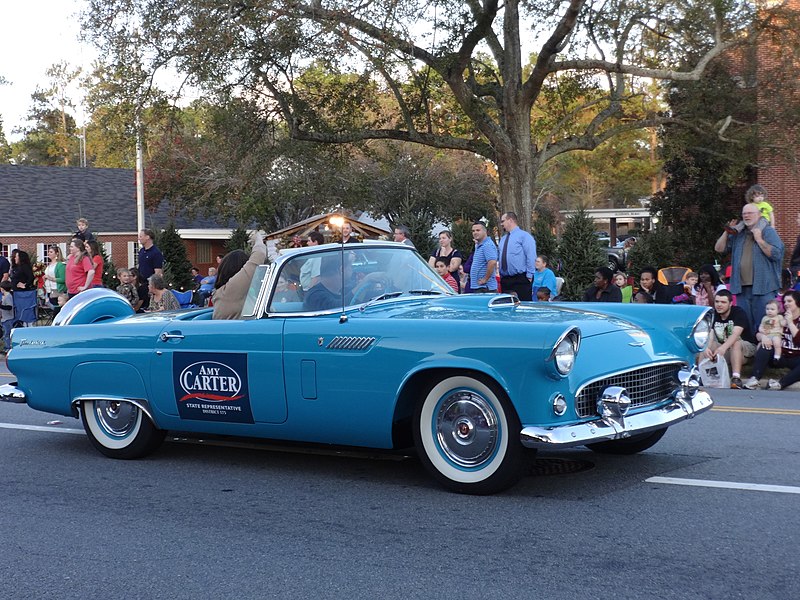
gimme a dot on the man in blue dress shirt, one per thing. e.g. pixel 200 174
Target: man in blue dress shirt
pixel 484 261
pixel 517 258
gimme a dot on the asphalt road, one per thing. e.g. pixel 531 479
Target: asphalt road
pixel 199 520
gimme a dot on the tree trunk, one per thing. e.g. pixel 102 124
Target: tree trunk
pixel 515 169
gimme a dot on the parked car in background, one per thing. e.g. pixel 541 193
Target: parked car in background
pixel 387 357
pixel 617 255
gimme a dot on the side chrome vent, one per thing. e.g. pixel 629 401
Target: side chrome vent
pixel 345 342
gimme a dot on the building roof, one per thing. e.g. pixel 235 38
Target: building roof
pixel 36 200
pixel 49 199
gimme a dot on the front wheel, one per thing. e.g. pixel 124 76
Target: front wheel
pixel 120 429
pixel 631 445
pixel 467 436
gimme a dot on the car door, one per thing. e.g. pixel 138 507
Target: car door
pixel 220 371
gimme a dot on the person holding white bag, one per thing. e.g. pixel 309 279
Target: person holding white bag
pixel 733 339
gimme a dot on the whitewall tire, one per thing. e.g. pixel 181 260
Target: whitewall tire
pixel 120 429
pixel 467 435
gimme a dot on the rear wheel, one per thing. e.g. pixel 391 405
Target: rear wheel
pixel 631 445
pixel 467 435
pixel 120 429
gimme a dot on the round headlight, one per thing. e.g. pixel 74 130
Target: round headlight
pixel 564 355
pixel 701 333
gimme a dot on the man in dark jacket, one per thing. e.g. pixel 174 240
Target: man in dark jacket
pixel 603 289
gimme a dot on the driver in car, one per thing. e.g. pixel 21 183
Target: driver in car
pixel 327 293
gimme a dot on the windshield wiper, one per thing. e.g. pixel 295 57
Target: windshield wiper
pixel 385 296
pixel 425 292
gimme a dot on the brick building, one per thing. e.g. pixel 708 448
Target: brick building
pixel 777 57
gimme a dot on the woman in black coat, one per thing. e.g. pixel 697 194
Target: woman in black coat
pixel 22 273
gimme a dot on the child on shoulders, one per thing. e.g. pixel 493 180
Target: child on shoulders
pixel 757 195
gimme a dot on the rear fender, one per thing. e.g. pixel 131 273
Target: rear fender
pixel 93 306
pixel 105 380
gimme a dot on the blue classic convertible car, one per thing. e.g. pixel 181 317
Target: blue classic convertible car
pixel 370 347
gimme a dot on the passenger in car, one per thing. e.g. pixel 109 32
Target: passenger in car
pixel 234 275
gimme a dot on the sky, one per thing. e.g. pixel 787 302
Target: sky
pixel 34 35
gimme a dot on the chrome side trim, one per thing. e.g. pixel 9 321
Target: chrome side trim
pixel 600 429
pixel 9 392
pixel 140 403
pixel 348 342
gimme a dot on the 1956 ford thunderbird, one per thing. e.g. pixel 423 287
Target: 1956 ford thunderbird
pixel 370 347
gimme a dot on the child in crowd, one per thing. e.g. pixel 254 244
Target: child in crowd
pixel 757 195
pixel 444 273
pixel 6 313
pixel 621 281
pixel 196 277
pixel 690 281
pixel 689 293
pixel 126 287
pixel 543 294
pixel 772 325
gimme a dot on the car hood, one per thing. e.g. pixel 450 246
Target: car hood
pixel 477 308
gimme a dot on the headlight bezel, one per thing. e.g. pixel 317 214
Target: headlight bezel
pixel 564 353
pixel 702 327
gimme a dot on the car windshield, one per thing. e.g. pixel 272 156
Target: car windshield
pixel 314 282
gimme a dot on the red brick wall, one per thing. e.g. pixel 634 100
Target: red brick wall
pixel 778 169
pixel 119 245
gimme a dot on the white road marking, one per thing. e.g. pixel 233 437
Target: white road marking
pixel 731 485
pixel 40 428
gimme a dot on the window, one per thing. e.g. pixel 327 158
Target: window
pixel 133 254
pixel 43 249
pixel 203 251
pixel 6 249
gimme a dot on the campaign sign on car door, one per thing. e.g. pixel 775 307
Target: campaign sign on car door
pixel 212 387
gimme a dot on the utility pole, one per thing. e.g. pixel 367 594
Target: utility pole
pixel 139 178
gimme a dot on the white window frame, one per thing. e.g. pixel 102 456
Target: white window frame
pixel 133 254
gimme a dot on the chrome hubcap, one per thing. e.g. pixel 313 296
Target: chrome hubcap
pixel 117 419
pixel 466 428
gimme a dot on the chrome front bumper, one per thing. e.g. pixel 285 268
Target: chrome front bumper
pixel 9 392
pixel 616 427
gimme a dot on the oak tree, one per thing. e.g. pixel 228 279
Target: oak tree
pixel 457 71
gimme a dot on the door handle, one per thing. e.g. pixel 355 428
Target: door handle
pixel 171 336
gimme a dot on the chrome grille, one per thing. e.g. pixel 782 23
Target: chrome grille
pixel 342 342
pixel 647 385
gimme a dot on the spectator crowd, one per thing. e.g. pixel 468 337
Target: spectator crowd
pixel 756 303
